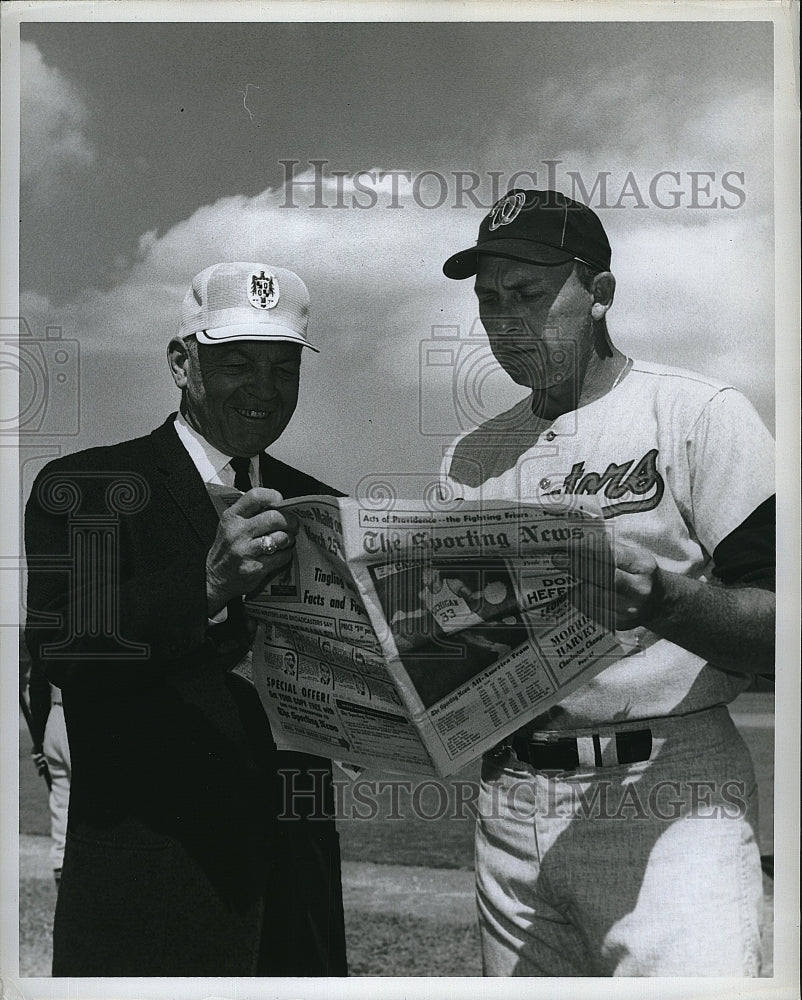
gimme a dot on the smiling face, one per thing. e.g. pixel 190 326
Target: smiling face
pixel 239 396
pixel 539 325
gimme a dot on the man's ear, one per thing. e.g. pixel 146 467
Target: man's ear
pixel 603 291
pixel 178 359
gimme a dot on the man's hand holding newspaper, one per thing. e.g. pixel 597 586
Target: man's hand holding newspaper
pixel 239 558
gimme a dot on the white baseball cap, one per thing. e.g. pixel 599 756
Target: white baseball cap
pixel 241 300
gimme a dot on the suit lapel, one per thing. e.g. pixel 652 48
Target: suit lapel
pixel 182 481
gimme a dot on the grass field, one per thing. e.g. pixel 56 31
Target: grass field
pixel 417 940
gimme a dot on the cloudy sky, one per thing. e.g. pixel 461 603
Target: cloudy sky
pixel 152 150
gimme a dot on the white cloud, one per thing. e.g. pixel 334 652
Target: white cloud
pixel 54 121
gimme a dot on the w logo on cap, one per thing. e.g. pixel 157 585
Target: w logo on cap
pixel 506 210
pixel 263 291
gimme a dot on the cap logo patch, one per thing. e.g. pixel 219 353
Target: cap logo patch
pixel 263 291
pixel 507 210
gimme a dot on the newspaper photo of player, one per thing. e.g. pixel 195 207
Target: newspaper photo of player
pixel 449 621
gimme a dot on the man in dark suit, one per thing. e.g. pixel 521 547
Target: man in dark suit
pixel 185 856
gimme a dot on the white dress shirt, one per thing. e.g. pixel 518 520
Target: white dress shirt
pixel 214 467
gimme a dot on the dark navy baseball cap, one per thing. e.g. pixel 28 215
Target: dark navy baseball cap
pixel 538 227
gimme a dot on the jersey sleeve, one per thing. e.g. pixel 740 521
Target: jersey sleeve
pixel 747 555
pixel 731 459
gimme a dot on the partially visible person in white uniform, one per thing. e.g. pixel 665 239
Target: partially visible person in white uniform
pixel 50 731
pixel 617 832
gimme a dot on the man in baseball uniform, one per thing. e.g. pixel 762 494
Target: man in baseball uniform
pixel 617 832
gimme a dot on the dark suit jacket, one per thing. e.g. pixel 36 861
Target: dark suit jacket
pixel 176 863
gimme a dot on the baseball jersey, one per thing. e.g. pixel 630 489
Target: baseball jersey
pixel 449 607
pixel 677 461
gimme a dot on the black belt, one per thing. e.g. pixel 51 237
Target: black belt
pixel 561 753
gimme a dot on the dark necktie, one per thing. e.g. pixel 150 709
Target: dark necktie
pixel 242 478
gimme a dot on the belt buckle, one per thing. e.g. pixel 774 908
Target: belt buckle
pixel 544 738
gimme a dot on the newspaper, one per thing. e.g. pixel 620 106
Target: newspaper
pixel 412 640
